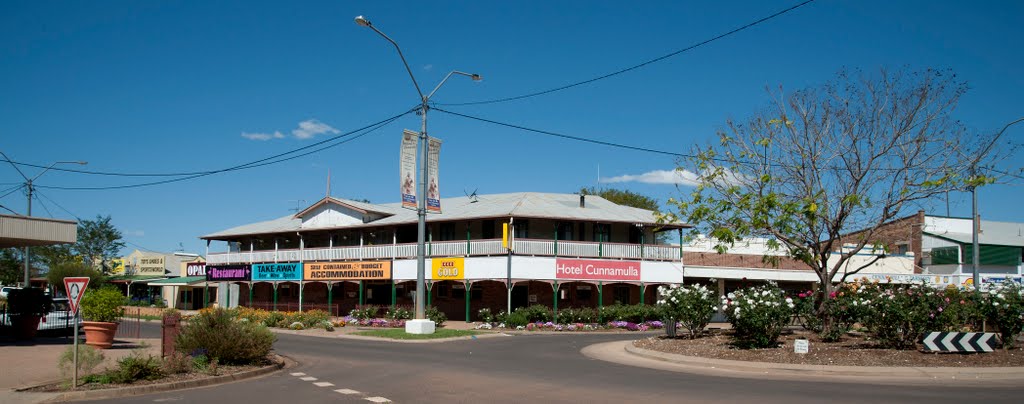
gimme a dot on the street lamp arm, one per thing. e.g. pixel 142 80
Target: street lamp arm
pixel 366 23
pixel 475 77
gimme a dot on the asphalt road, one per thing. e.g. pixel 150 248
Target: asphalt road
pixel 527 368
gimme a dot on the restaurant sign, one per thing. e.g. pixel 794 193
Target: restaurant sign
pixel 597 270
pixel 347 270
pixel 228 273
pixel 288 271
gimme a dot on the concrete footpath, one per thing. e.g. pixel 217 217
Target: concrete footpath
pixel 623 352
pixel 32 363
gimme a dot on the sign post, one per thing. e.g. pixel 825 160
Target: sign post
pixel 75 288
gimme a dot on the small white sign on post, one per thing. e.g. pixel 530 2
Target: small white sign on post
pixel 75 288
pixel 801 346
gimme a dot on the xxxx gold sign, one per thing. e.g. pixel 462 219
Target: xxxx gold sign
pixel 346 270
pixel 448 268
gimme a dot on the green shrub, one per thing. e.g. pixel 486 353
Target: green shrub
pixel 103 305
pixel 88 359
pixel 537 313
pixel 398 313
pixel 691 305
pixel 55 276
pixel 577 315
pixel 485 315
pixel 367 312
pixel 435 315
pixel 225 339
pixel 633 313
pixel 308 319
pixel 757 315
pixel 1004 307
pixel 176 363
pixel 516 319
pixel 136 367
pixel 274 318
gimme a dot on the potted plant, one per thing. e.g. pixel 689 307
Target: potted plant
pixel 25 308
pixel 101 311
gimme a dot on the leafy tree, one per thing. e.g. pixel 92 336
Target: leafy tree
pixel 58 272
pixel 11 267
pixel 98 241
pixel 55 255
pixel 628 198
pixel 823 162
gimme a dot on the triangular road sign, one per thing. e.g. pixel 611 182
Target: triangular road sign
pixel 75 287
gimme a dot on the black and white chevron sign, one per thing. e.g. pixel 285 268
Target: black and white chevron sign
pixel 959 341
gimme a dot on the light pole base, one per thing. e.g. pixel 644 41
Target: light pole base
pixel 419 326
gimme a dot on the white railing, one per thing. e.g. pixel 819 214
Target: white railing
pixel 576 249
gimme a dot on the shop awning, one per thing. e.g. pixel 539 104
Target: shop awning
pixel 135 279
pixel 179 281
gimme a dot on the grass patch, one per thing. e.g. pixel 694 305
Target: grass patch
pixel 398 333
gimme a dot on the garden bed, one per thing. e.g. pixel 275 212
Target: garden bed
pixel 851 350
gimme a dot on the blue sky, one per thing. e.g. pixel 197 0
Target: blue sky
pixel 184 86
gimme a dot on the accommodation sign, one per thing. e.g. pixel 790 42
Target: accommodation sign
pixel 597 270
pixel 195 269
pixel 443 269
pixel 228 273
pixel 347 270
pixel 289 271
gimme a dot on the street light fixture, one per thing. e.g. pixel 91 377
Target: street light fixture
pixel 975 221
pixel 420 325
pixel 28 189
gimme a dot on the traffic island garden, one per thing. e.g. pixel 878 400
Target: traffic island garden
pixel 861 324
pixel 214 344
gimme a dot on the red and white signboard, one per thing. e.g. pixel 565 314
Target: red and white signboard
pixel 75 287
pixel 597 270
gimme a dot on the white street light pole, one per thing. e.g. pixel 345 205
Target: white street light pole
pixel 28 193
pixel 421 209
pixel 975 221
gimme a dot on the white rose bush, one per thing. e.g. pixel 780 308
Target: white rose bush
pixel 758 315
pixel 690 305
pixel 1004 307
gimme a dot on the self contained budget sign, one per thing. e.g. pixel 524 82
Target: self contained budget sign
pixel 347 270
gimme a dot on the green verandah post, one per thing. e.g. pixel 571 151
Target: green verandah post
pixel 554 287
pixel 250 294
pixel 600 302
pixel 468 286
pixel 206 295
pixel 275 296
pixel 360 292
pixel 642 287
pixel 429 290
pixel 330 293
pixel 394 294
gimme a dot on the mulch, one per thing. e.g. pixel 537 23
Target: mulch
pixel 852 350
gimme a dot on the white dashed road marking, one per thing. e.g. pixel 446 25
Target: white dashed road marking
pixel 307 378
pixel 346 391
pixel 298 374
pixel 377 399
pixel 323 384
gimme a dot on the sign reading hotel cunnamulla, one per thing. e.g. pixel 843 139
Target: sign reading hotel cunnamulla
pixel 277 272
pixel 443 269
pixel 228 273
pixel 597 270
pixel 347 270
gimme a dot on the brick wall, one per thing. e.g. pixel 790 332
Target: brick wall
pixel 907 231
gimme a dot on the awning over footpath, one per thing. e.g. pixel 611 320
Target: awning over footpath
pixel 135 279
pixel 179 281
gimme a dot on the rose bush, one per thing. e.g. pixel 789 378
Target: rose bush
pixel 757 315
pixel 1004 307
pixel 689 305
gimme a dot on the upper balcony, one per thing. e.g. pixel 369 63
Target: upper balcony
pixel 470 248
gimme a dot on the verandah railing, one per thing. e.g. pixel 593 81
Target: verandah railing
pixel 456 248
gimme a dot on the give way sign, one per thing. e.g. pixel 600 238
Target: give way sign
pixel 75 287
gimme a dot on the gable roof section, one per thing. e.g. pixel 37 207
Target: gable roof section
pixel 360 207
pixel 519 205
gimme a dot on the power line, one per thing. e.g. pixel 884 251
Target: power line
pixel 58 205
pixel 634 67
pixel 561 135
pixel 182 174
pixel 11 190
pixel 44 207
pixel 257 163
pixel 9 210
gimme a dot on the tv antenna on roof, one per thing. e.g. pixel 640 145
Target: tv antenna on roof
pixel 298 204
pixel 472 195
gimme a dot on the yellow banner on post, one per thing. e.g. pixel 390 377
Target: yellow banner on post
pixel 504 235
pixel 446 269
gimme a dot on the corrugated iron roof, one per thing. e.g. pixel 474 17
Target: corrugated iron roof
pixel 518 204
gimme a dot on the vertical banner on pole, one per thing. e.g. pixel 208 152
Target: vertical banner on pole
pixel 407 169
pixel 433 192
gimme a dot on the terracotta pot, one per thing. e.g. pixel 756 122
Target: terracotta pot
pixel 25 326
pixel 99 334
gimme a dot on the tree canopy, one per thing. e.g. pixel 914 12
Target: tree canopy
pixel 98 241
pixel 624 197
pixel 825 161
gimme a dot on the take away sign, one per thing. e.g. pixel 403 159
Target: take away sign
pixel 75 288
